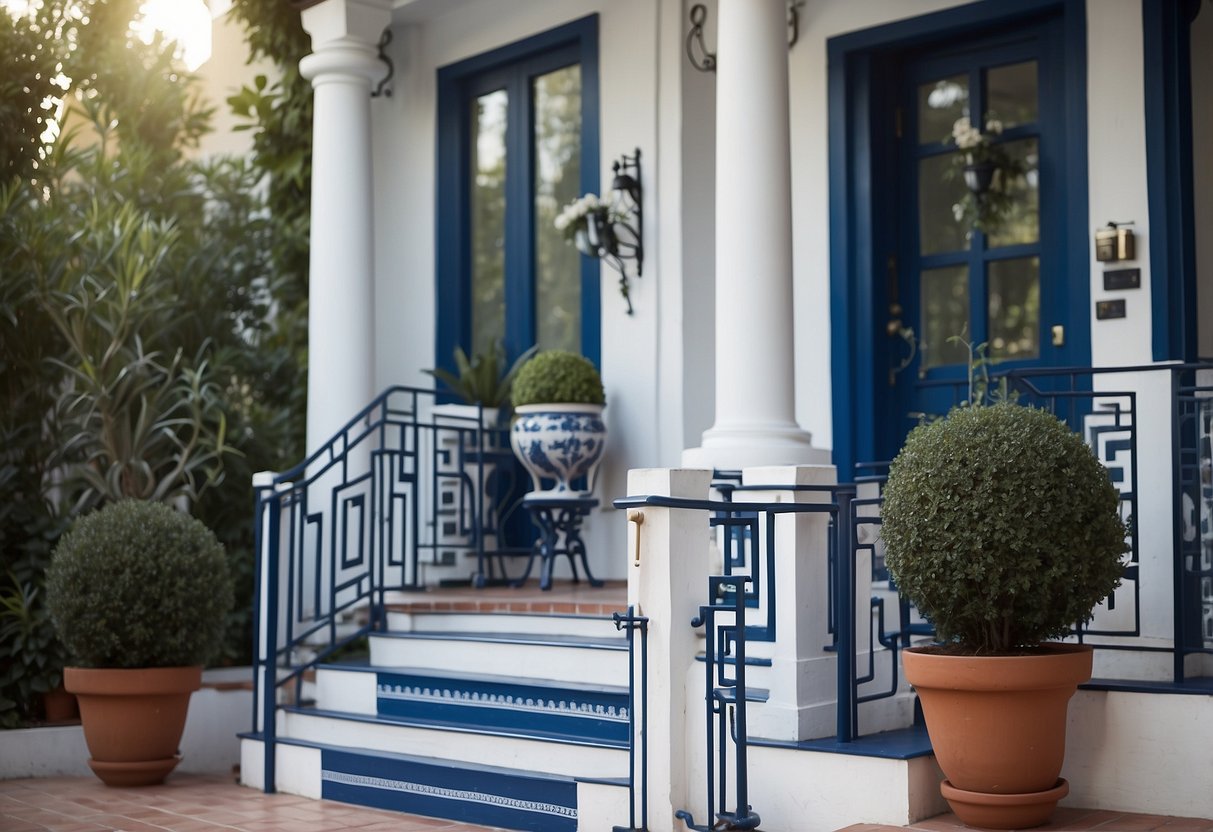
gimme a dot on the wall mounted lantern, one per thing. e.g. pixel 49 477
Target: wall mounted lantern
pixel 610 227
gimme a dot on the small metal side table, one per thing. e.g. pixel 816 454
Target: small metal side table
pixel 557 518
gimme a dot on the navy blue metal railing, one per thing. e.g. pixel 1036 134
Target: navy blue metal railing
pixel 637 629
pixel 405 490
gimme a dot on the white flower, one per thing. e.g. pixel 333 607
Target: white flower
pixel 994 127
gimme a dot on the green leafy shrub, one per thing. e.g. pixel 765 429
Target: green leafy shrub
pixel 480 379
pixel 558 377
pixel 1001 526
pixel 138 584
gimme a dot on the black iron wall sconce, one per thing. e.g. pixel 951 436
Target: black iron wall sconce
pixel 384 89
pixel 697 50
pixel 618 234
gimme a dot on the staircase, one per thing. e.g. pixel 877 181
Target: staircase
pixel 496 715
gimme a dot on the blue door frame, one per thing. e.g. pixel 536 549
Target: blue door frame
pixel 863 91
pixel 575 42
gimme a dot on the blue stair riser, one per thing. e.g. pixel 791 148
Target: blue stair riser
pixel 468 795
pixel 523 708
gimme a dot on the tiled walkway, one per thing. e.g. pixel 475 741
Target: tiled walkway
pixel 188 803
pixel 192 803
pixel 1066 820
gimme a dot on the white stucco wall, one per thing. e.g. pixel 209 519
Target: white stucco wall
pixel 1116 143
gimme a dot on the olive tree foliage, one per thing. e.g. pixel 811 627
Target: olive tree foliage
pixel 149 341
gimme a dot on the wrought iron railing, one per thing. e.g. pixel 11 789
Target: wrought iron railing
pixel 409 490
pixel 637 629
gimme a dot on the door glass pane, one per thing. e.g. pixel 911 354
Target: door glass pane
pixel 557 132
pixel 1011 94
pixel 1018 217
pixel 945 312
pixel 488 219
pixel 940 103
pixel 940 189
pixel 1014 308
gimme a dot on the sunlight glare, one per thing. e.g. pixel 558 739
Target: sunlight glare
pixel 186 21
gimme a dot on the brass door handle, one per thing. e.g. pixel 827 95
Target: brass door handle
pixel 1059 335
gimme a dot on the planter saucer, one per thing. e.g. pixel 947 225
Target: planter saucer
pixel 1004 811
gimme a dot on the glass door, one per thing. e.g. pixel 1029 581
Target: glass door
pixel 978 269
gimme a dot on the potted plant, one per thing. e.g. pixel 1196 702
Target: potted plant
pixel 558 432
pixel 481 382
pixel 1004 530
pixel 139 593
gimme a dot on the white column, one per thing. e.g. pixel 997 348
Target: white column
pixel 755 385
pixel 343 66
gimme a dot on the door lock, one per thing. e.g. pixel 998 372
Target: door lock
pixel 1059 335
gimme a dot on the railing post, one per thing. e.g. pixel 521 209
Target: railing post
pixel 798 707
pixel 269 518
pixel 669 550
pixel 844 604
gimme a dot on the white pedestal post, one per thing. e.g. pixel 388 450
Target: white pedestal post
pixel 755 385
pixel 803 687
pixel 668 586
pixel 342 68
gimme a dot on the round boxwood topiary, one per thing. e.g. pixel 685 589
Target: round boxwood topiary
pixel 557 377
pixel 1001 526
pixel 138 584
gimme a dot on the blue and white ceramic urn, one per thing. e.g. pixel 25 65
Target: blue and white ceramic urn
pixel 561 445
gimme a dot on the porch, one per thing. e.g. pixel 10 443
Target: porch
pixel 581 708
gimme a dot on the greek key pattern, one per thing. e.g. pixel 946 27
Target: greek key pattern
pixel 425 790
pixel 478 699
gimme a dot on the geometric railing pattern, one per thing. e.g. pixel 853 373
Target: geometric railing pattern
pixel 409 491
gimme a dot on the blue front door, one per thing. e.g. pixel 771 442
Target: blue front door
pixel 973 234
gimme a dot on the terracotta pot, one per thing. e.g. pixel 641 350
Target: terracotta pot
pixel 60 706
pixel 998 727
pixel 133 719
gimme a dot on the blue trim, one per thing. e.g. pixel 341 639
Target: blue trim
pixel 467 793
pixel 510 67
pixel 857 63
pixel 1169 182
pixel 592 715
pixel 392 723
pixel 902 744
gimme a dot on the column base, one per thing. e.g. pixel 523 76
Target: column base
pixel 734 448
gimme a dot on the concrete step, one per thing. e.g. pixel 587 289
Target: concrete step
pixel 580 712
pixel 504 797
pixel 594 660
pixel 530 750
pixel 599 626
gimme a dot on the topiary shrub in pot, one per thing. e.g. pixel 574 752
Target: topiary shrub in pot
pixel 139 593
pixel 1003 528
pixel 558 433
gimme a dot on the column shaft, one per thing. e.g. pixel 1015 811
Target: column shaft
pixel 755 385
